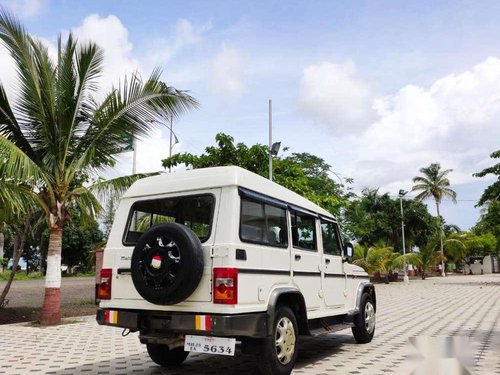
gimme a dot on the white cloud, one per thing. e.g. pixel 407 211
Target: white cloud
pixel 23 8
pixel 111 35
pixel 184 34
pixel 332 95
pixel 454 121
pixel 227 73
pixel 7 73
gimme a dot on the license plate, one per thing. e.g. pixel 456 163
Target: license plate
pixel 209 345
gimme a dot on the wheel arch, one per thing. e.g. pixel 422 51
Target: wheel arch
pixel 366 287
pixel 292 298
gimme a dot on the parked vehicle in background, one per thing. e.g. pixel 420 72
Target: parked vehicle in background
pixel 203 260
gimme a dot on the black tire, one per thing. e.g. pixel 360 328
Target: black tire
pixel 167 264
pixel 269 357
pixel 163 356
pixel 364 327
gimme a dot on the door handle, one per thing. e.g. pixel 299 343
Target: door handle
pixel 297 257
pixel 327 261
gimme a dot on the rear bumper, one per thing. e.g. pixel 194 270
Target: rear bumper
pixel 165 323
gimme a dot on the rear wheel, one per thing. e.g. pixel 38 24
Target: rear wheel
pixel 279 351
pixel 365 321
pixel 163 356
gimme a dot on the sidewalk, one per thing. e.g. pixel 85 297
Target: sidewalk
pixel 455 306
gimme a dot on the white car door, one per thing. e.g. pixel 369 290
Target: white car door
pixel 306 258
pixel 333 276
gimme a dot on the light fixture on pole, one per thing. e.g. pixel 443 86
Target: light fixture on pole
pixel 273 147
pixel 402 193
pixel 171 146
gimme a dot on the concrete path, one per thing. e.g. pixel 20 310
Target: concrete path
pixel 465 309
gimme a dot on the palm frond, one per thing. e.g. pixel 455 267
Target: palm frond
pixel 17 166
pixel 21 46
pixel 87 203
pixel 85 67
pixel 116 187
pixel 9 127
pixel 15 198
pixel 129 112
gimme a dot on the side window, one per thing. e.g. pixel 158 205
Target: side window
pixel 331 243
pixel 304 231
pixel 263 223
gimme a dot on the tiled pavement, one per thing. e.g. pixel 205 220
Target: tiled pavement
pixel 457 306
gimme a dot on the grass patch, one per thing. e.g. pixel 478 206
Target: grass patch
pixel 84 302
pixel 21 275
pixel 81 274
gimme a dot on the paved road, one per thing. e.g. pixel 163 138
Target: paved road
pixel 29 293
pixel 460 307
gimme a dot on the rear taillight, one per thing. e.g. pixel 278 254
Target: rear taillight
pixel 104 288
pixel 226 286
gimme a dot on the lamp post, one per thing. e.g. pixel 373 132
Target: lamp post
pixel 171 146
pixel 402 193
pixel 273 147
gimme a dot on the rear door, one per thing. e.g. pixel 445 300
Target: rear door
pixel 199 212
pixel 333 276
pixel 306 258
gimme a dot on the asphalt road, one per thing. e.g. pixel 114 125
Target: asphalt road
pixel 29 293
pixel 25 298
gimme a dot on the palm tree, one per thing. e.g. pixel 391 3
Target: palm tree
pixel 57 136
pixel 434 184
pixel 380 258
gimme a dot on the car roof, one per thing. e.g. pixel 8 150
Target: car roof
pixel 208 178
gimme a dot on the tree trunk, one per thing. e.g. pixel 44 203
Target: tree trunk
pixel 51 310
pixel 2 242
pixel 441 239
pixel 19 241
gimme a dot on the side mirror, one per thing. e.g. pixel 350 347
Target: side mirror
pixel 348 251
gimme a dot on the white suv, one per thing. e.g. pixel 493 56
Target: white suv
pixel 202 260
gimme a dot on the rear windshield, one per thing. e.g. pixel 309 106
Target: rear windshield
pixel 194 211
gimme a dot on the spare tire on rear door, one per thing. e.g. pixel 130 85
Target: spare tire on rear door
pixel 167 263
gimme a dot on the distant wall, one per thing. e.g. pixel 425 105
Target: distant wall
pixel 490 265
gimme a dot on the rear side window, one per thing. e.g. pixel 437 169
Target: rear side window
pixel 195 211
pixel 263 223
pixel 304 231
pixel 329 234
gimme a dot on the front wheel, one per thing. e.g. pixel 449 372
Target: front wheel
pixel 163 356
pixel 279 351
pixel 364 328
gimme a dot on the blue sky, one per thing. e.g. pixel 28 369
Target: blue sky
pixel 377 88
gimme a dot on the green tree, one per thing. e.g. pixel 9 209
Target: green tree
pixel 303 173
pixel 489 222
pixel 492 192
pixel 427 256
pixel 78 240
pixel 434 184
pixel 381 259
pixel 18 221
pixel 59 134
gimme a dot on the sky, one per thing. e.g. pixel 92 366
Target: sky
pixel 379 89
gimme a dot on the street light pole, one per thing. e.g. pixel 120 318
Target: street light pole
pixel 270 139
pixel 401 195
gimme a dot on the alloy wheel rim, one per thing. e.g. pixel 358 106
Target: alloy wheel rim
pixel 168 253
pixel 369 317
pixel 285 340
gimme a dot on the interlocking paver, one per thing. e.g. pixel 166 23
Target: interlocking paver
pixel 467 306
